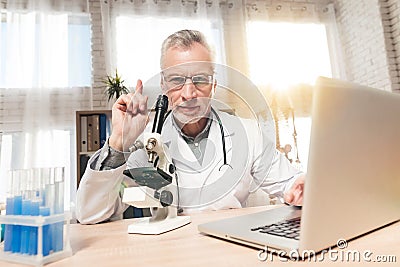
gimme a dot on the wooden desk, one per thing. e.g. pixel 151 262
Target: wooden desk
pixel 109 244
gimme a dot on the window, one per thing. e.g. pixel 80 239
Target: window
pixel 45 59
pixel 44 50
pixel 79 51
pixel 282 56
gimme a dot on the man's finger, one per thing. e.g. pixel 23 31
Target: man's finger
pixel 298 195
pixel 139 87
pixel 133 108
pixel 120 107
pixel 143 104
pixel 300 201
pixel 122 102
pixel 288 197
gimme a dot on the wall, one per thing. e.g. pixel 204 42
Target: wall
pixel 366 30
pixel 99 72
pixel 391 20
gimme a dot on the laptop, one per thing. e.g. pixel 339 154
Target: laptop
pixel 353 180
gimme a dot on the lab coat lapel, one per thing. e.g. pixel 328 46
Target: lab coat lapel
pixel 213 155
pixel 179 150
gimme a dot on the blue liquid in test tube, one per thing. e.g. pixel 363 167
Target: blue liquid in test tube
pixel 46 237
pixel 25 230
pixel 27 195
pixel 50 192
pixel 37 195
pixel 58 233
pixel 16 239
pixel 8 227
pixel 33 230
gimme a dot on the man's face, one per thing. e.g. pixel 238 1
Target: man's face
pixel 188 82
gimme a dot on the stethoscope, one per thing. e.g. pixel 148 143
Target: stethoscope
pixel 221 127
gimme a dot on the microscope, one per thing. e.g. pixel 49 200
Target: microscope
pixel 156 190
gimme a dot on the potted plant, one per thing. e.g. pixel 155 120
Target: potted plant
pixel 115 86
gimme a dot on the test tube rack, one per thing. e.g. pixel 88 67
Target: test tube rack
pixel 37 221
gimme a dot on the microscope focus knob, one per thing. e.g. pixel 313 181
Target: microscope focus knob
pixel 171 168
pixel 166 198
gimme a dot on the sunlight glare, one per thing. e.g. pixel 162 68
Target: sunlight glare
pixel 284 54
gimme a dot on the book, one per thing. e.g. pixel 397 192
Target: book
pixel 95 132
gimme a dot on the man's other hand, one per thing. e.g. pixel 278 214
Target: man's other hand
pixel 294 196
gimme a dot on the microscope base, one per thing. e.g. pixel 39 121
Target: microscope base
pixel 144 226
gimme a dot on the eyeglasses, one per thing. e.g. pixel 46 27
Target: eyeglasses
pixel 200 81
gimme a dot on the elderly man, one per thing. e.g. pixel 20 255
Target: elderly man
pixel 193 134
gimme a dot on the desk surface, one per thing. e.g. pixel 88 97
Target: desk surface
pixel 108 244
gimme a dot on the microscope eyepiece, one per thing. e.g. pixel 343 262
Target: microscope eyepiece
pixel 161 108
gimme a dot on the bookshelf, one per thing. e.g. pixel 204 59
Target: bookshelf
pixel 92 129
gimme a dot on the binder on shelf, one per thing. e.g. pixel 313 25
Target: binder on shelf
pixel 93 134
pixel 84 147
pixel 96 132
pixel 89 133
pixel 103 129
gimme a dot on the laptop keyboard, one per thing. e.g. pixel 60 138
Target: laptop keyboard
pixel 287 228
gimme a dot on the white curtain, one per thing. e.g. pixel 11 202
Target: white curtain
pixel 290 45
pixel 38 95
pixel 292 30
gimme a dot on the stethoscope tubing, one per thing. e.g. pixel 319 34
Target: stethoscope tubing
pixel 221 127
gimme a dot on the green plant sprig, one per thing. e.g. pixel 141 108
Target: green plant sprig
pixel 115 86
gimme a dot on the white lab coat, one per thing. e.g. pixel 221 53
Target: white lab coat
pixel 250 151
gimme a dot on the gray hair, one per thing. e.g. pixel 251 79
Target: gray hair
pixel 183 39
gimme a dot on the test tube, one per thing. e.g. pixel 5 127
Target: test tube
pixel 18 177
pixel 46 240
pixel 36 201
pixel 59 208
pixel 27 195
pixel 8 229
pixel 49 196
pixel 45 177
